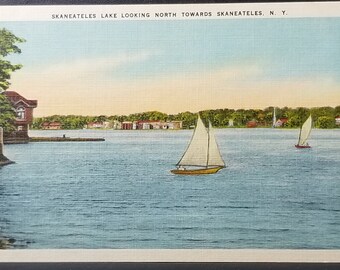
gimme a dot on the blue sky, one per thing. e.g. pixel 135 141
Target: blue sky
pixel 250 63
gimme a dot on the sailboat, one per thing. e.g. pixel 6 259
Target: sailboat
pixel 202 155
pixel 304 134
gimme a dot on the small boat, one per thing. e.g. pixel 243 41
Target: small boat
pixel 202 155
pixel 304 134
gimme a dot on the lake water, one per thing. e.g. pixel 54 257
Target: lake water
pixel 120 193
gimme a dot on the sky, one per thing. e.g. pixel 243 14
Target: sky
pixel 123 67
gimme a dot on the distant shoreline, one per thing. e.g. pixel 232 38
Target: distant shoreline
pixel 175 130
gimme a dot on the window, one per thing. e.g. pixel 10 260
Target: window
pixel 21 113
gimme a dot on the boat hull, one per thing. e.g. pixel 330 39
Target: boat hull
pixel 197 171
pixel 302 146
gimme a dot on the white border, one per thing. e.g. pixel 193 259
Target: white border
pixel 86 12
pixel 171 255
pixel 292 10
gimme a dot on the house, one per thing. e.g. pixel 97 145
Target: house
pixel 148 124
pixel 24 111
pixel 337 120
pixel 156 124
pixel 92 125
pixel 252 124
pixel 51 125
pixel 116 125
pixel 174 125
pixel 127 125
pixel 281 122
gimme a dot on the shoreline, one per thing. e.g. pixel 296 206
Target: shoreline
pixel 242 127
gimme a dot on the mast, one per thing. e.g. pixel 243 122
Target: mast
pixel 299 136
pixel 208 145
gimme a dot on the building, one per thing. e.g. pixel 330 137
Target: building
pixel 175 125
pixel 337 120
pixel 281 122
pixel 156 124
pixel 116 125
pixel 127 125
pixel 51 125
pixel 24 110
pixel 92 125
pixel 252 124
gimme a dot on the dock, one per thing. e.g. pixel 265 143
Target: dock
pixel 64 139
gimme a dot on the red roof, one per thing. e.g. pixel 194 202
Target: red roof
pixel 15 98
pixel 284 120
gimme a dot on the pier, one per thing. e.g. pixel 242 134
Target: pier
pixel 64 139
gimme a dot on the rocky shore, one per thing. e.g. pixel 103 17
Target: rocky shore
pixel 6 243
pixel 4 161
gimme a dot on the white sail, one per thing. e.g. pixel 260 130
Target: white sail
pixel 215 158
pixel 197 152
pixel 274 118
pixel 305 131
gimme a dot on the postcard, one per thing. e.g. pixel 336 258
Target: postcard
pixel 157 133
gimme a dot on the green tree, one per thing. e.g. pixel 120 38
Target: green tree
pixel 337 111
pixel 325 122
pixel 8 46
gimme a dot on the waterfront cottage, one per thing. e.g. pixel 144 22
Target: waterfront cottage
pixel 127 125
pixel 252 124
pixel 95 125
pixel 337 120
pixel 24 110
pixel 154 124
pixel 281 122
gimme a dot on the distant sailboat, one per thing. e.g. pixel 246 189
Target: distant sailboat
pixel 304 134
pixel 202 155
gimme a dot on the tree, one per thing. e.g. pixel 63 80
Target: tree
pixel 8 46
pixel 325 122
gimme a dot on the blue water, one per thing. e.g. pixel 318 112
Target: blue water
pixel 120 193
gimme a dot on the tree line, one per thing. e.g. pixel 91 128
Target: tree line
pixel 323 117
